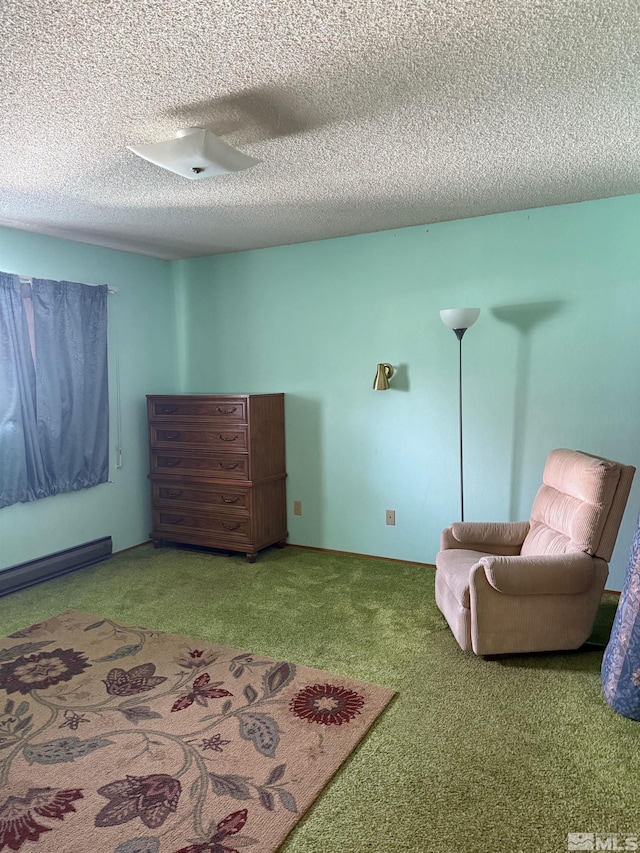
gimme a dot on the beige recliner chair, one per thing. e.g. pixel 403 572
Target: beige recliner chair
pixel 536 585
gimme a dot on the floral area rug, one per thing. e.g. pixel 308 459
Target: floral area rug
pixel 124 740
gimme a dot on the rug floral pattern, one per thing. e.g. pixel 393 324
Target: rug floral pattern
pixel 125 740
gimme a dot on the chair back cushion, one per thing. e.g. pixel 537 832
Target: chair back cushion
pixel 572 506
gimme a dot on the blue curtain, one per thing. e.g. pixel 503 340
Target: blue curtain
pixel 54 406
pixel 20 460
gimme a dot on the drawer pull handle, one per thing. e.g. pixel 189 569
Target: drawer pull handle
pixel 228 438
pixel 169 435
pixel 230 500
pixel 175 494
pixel 230 526
pixel 229 467
pixel 222 411
pixel 174 519
pixel 172 463
pixel 167 410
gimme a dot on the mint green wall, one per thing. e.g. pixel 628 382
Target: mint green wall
pixel 142 339
pixel 552 362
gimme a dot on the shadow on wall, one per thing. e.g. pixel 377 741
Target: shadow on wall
pixel 525 319
pixel 400 381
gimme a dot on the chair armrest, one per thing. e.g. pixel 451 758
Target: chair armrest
pixel 555 574
pixel 497 537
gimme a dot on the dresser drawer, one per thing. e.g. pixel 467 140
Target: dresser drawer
pixel 221 466
pixel 228 409
pixel 166 494
pixel 219 527
pixel 176 434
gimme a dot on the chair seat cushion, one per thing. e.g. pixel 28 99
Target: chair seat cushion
pixel 455 566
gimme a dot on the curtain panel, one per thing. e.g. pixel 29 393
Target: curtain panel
pixel 54 403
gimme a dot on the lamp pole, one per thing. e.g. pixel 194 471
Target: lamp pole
pixel 459 320
pixel 459 334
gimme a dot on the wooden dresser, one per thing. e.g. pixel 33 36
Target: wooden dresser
pixel 217 470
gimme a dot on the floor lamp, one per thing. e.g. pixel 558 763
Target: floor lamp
pixel 460 319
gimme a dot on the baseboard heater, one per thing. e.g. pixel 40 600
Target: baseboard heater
pixel 53 565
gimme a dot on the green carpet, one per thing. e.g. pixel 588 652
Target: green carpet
pixel 472 755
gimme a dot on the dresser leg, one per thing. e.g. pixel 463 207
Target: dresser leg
pixel 251 558
pixel 281 544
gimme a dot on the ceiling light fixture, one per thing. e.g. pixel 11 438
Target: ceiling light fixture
pixel 195 153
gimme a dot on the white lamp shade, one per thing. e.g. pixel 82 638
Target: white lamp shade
pixel 459 318
pixel 196 154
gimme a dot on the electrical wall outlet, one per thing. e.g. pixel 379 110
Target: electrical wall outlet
pixel 297 507
pixel 391 516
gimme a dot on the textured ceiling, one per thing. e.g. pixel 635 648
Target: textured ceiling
pixel 366 114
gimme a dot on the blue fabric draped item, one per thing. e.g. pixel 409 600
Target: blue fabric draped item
pixel 54 403
pixel 621 661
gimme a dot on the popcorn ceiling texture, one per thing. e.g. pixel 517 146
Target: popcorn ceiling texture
pixel 366 114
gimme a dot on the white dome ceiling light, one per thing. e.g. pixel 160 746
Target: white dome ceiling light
pixel 195 153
